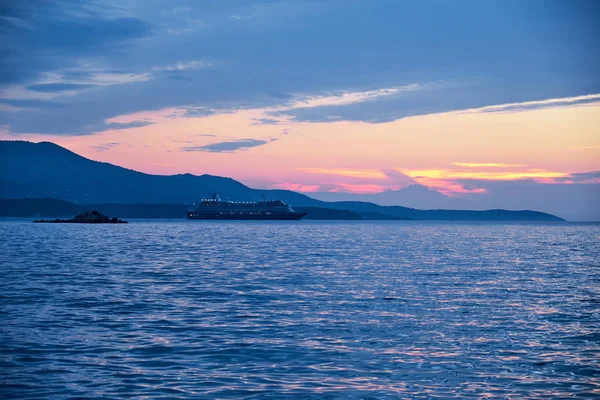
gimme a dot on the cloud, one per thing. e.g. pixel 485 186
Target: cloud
pixel 526 105
pixel 153 116
pixel 8 108
pixel 383 104
pixel 297 187
pixel 334 187
pixel 59 87
pixel 128 125
pixel 353 188
pixel 229 146
pixel 460 181
pixel 182 66
pixel 105 146
pixel 88 76
pixel 487 165
pixel 268 121
pixel 108 78
pixel 482 175
pixel 38 35
pixel 298 49
pixel 581 177
pixel 347 98
pixel 291 107
pixel 51 85
pixel 241 17
pixel 354 173
pixel 183 20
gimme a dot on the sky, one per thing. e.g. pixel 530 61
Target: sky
pixel 474 99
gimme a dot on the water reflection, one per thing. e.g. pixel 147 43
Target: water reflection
pixel 179 310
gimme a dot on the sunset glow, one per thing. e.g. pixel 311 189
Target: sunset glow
pixel 497 176
pixel 352 156
pixel 365 173
pixel 487 165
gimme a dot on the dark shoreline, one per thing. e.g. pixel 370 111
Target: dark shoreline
pixel 52 208
pixel 66 221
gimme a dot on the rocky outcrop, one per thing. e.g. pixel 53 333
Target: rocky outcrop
pixel 88 217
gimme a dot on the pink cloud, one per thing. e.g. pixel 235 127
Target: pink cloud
pixel 297 187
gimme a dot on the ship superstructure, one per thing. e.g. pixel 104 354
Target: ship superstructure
pixel 215 208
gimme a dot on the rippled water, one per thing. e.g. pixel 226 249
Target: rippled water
pixel 304 309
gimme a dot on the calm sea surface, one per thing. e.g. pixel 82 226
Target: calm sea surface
pixel 191 309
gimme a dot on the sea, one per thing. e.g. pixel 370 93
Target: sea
pixel 169 309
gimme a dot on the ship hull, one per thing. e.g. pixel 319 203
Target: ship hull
pixel 248 217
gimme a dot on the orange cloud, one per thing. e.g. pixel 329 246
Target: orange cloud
pixel 446 174
pixel 354 173
pixel 487 165
pixel 447 181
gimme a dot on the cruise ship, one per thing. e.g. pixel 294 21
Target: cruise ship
pixel 215 208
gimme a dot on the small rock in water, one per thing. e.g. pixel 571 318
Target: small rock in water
pixel 88 217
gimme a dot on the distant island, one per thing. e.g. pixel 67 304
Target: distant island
pixel 87 217
pixel 46 180
pixel 54 208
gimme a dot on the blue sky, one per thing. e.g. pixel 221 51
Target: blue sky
pixel 69 65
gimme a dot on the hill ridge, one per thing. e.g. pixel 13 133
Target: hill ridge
pixel 41 170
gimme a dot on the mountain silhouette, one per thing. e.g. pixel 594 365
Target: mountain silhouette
pixel 414 195
pixel 46 170
pixel 54 208
pixel 40 170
